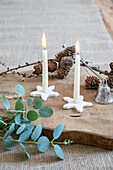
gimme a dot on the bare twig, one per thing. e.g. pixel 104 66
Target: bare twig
pixel 18 67
pixel 98 70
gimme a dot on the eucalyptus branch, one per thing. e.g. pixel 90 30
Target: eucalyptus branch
pixel 20 122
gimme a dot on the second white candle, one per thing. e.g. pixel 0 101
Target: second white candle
pixel 77 75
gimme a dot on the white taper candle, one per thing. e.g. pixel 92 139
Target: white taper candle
pixel 77 75
pixel 44 65
pixel 44 91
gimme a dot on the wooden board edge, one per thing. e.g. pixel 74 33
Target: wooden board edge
pixel 83 138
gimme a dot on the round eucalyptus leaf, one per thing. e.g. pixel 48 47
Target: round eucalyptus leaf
pixel 59 151
pixel 25 135
pixel 9 143
pixel 18 118
pixel 32 115
pixel 29 102
pixel 45 112
pixel 19 105
pixel 5 102
pixel 20 129
pixel 37 132
pixel 37 103
pixel 58 130
pixel 11 129
pixel 24 148
pixel 37 98
pixel 43 144
pixel 19 90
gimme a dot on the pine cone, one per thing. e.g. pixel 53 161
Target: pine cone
pixel 61 73
pixel 111 65
pixel 52 66
pixel 66 63
pixel 69 52
pixel 38 69
pixel 92 82
pixel 110 81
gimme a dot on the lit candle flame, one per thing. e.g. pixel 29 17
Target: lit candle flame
pixel 77 47
pixel 44 44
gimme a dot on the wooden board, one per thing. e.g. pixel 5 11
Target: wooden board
pixel 93 127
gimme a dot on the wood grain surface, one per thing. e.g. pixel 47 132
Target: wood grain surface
pixel 94 126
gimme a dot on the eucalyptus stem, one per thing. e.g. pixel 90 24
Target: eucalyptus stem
pixel 8 109
pixel 52 142
pixel 33 142
pixel 6 128
pixel 61 143
pixel 4 113
pixel 10 117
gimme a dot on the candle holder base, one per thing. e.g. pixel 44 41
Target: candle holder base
pixel 78 106
pixel 44 95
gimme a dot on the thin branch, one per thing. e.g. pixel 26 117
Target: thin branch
pixel 18 67
pixel 99 70
pixel 102 72
pixel 21 66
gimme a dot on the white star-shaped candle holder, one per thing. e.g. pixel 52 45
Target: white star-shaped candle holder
pixel 44 95
pixel 78 106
